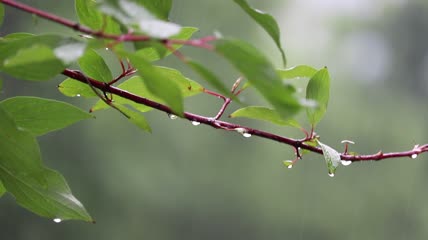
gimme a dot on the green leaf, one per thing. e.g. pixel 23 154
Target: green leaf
pixel 261 74
pixel 332 158
pixel 37 63
pixel 35 187
pixel 69 52
pixel 318 89
pixel 209 76
pixel 11 44
pixel 40 116
pixel 160 8
pixel 136 118
pixel 159 84
pixel 74 88
pixel 88 14
pixel 135 14
pixel 137 86
pixel 265 114
pixel 158 50
pixel 94 66
pixel 266 21
pixel 1 13
pixel 301 71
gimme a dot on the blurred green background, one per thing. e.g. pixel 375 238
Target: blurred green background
pixel 187 182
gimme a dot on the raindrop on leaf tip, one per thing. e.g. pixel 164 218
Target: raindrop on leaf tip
pixel 57 220
pixel 331 174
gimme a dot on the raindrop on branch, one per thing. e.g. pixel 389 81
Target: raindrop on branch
pixel 247 135
pixel 172 116
pixel 195 123
pixel 57 220
pixel 346 163
pixel 414 156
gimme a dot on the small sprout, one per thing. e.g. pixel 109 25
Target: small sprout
pixel 288 163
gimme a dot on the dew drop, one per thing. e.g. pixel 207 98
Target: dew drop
pixel 107 49
pixel 247 135
pixel 57 220
pixel 346 163
pixel 414 156
pixel 331 174
pixel 195 123
pixel 288 164
pixel 172 116
pixel 78 95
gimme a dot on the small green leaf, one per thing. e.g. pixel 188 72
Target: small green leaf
pixel 138 87
pixel 301 71
pixel 210 77
pixel 1 13
pixel 261 74
pixel 159 84
pixel 265 114
pixel 74 88
pixel 40 116
pixel 70 52
pixel 158 50
pixel 266 21
pixel 35 187
pixel 160 8
pixel 332 158
pixel 318 89
pixel 94 66
pixel 37 63
pixel 88 14
pixel 133 13
pixel 136 118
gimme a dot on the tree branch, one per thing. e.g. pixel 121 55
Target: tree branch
pixel 295 143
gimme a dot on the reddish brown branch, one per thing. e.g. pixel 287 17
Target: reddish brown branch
pixel 129 37
pixel 295 143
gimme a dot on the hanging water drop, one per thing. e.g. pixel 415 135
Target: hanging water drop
pixel 331 174
pixel 346 163
pixel 57 220
pixel 247 135
pixel 414 156
pixel 288 164
pixel 195 123
pixel 172 116
pixel 78 95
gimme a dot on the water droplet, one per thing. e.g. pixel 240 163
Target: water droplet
pixel 414 156
pixel 288 164
pixel 57 220
pixel 107 49
pixel 331 174
pixel 247 135
pixel 78 95
pixel 346 163
pixel 172 116
pixel 195 123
